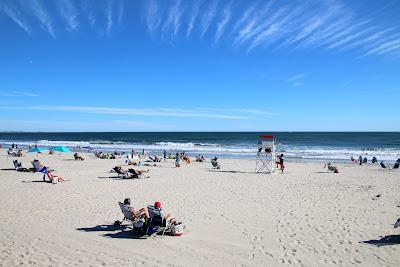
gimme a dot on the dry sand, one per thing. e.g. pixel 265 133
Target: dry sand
pixel 305 217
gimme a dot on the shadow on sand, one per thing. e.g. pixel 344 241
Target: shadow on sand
pixel 388 240
pixel 114 231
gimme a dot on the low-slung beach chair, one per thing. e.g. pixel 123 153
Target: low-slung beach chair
pixel 18 166
pixel 157 221
pixel 122 173
pixel 397 223
pixel 137 222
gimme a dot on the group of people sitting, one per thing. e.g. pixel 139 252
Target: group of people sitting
pixel 362 160
pixel 200 158
pixel 13 153
pixel 149 213
pixel 102 155
pixel 395 166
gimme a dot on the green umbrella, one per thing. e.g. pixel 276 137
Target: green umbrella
pixel 62 149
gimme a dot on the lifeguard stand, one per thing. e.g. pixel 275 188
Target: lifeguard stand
pixel 266 154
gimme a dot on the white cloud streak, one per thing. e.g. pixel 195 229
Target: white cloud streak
pixel 226 16
pixel 42 15
pixel 208 18
pixel 152 17
pixel 17 94
pixel 159 112
pixel 109 17
pixel 193 17
pixel 173 23
pixel 69 12
pixel 15 16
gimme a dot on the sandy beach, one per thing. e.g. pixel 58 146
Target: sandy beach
pixel 233 216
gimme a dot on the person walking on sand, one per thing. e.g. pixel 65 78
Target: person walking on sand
pixel 280 162
pixel 360 159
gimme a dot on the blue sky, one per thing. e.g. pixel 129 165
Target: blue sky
pixel 119 65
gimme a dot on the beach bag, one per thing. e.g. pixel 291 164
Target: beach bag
pixel 177 229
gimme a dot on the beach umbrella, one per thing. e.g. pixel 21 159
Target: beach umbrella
pixel 61 149
pixel 36 150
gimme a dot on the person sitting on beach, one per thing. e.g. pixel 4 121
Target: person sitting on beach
pixel 384 166
pixel 280 163
pixel 331 168
pixel 374 160
pixel 47 171
pixel 177 161
pixel 135 213
pixel 353 159
pixel 78 157
pixel 365 160
pixel 51 152
pixel 215 164
pixel 156 209
pixel 137 173
pixel 19 153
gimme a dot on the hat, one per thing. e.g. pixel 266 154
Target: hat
pixel 157 204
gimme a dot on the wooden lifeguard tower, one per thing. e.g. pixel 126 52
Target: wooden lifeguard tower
pixel 266 154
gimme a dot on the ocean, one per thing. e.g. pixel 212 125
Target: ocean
pixel 323 146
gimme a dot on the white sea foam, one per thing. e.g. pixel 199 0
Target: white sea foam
pixel 234 150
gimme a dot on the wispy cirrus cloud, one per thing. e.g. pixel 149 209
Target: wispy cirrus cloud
pixel 193 16
pixel 333 26
pixel 158 112
pixel 172 22
pixel 17 94
pixel 69 12
pixel 226 16
pixel 153 20
pixel 109 17
pixel 297 79
pixel 15 16
pixel 208 17
pixel 39 11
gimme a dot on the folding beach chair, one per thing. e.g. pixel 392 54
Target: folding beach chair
pixel 123 173
pixel 137 222
pixel 157 221
pixel 18 166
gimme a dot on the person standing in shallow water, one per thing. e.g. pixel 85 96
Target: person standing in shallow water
pixel 165 155
pixel 360 159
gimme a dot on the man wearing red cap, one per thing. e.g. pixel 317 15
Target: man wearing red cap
pixel 168 217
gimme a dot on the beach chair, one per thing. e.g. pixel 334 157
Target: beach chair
pixel 123 173
pixel 18 166
pixel 397 223
pixel 138 223
pixel 43 170
pixel 157 222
